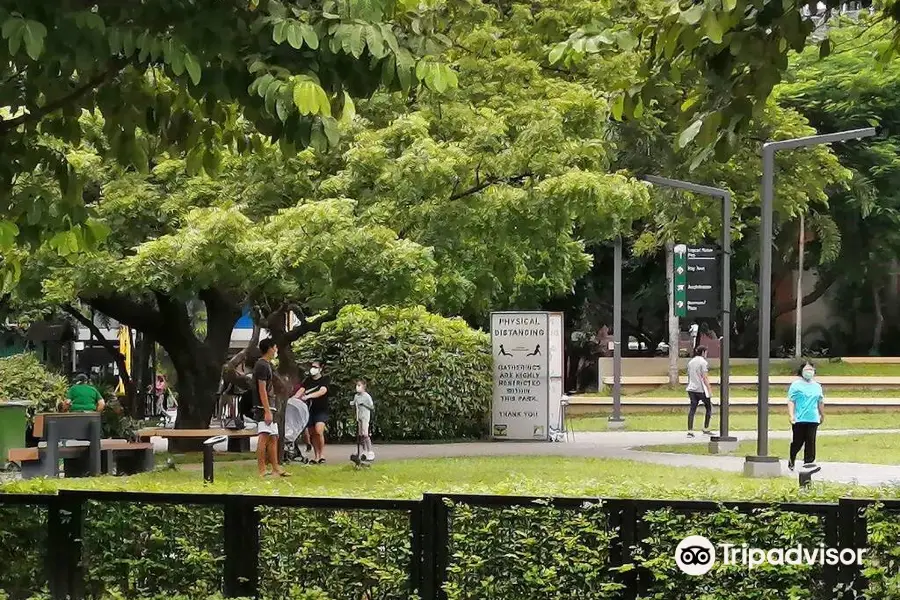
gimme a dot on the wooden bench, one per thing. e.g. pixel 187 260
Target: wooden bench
pixel 238 439
pixel 117 457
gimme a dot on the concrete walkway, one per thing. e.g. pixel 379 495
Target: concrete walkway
pixel 621 445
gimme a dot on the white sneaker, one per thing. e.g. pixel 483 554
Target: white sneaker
pixel 370 456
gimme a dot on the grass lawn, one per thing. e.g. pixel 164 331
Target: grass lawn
pixel 881 449
pixel 739 421
pixel 749 391
pixel 484 475
pixel 823 367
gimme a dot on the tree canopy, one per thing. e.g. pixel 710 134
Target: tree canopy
pixel 197 77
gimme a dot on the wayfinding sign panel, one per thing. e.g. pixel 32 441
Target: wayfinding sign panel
pixel 698 289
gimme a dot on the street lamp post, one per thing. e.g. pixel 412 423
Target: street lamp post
pixel 616 421
pixel 763 465
pixel 723 442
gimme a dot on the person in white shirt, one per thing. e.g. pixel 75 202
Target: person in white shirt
pixel 364 406
pixel 698 389
pixel 695 334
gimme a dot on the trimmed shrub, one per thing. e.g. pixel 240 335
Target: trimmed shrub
pixel 24 378
pixel 430 376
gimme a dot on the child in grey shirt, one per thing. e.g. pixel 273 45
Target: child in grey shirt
pixel 364 405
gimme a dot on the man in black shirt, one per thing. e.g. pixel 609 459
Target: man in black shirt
pixel 315 391
pixel 264 393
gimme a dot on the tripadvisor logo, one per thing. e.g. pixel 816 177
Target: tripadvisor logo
pixel 696 555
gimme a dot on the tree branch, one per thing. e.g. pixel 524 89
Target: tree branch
pixel 822 286
pixel 8 125
pixel 114 352
pixel 141 316
pixel 308 327
pixel 488 183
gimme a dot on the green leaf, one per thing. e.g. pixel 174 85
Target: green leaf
pixel 357 43
pixel 279 32
pixel 692 15
pixel 687 104
pixel 34 34
pixel 729 5
pixel 618 106
pixel 557 52
pixel 309 36
pixel 294 36
pixel 375 42
pixel 305 98
pixel 176 62
pixel 713 28
pixel 10 26
pixel 626 41
pixel 688 135
pixel 639 109
pixel 332 133
pixel 193 68
pixel 349 110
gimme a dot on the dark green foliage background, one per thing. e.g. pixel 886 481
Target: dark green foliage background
pixel 532 552
pixel 539 553
pixel 349 554
pixel 430 376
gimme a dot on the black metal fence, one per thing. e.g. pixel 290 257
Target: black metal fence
pixel 428 526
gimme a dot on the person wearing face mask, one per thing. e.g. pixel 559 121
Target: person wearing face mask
pixel 805 407
pixel 364 406
pixel 315 391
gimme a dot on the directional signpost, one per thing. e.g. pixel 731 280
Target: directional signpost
pixel 697 281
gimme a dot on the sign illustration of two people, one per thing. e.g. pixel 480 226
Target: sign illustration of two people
pixel 537 351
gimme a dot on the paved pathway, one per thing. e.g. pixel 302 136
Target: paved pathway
pixel 622 444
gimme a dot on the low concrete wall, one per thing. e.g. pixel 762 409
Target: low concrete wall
pixel 659 366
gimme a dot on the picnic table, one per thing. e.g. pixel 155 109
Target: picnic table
pixel 238 439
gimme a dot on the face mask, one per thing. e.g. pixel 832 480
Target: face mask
pixel 808 374
pixel 314 371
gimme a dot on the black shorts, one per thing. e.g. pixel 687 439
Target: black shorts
pixel 317 418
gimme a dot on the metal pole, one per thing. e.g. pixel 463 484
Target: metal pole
pixel 798 312
pixel 765 287
pixel 722 442
pixel 725 350
pixel 765 299
pixel 617 332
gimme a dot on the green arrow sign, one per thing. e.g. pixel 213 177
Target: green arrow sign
pixel 679 298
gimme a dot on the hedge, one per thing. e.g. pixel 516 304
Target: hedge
pixel 430 376
pixel 527 553
pixel 24 378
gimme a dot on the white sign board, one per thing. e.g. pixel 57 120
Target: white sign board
pixel 523 354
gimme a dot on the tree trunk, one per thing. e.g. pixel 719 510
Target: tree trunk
pixel 879 321
pixel 674 328
pixel 198 363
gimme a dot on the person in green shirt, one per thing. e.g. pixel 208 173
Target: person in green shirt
pixel 83 397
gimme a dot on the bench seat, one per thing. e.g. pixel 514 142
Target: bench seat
pixel 116 456
pixel 238 439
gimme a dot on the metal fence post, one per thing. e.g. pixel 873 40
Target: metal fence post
pixel 417 559
pixel 852 533
pixel 621 522
pixel 241 521
pixel 64 547
pixel 435 546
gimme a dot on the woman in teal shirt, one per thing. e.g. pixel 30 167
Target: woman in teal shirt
pixel 805 406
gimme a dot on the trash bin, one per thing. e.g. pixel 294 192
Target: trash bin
pixel 13 419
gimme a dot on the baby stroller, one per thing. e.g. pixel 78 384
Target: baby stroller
pixel 296 416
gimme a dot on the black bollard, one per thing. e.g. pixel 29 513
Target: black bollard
pixel 208 448
pixel 805 476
